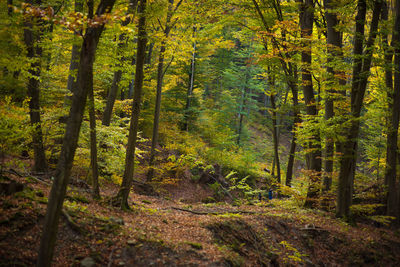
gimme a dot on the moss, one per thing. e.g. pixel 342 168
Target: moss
pixel 77 198
pixel 194 245
pixel 208 200
pixel 145 201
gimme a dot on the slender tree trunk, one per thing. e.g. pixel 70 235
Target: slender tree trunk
pixel 275 138
pixel 32 39
pixel 293 86
pixel 131 84
pixel 241 115
pixel 290 74
pixel 63 171
pixel 112 94
pixel 93 143
pixel 361 72
pixel 92 122
pixel 393 127
pixel 314 156
pixel 74 65
pixel 160 76
pixel 123 194
pixel 191 84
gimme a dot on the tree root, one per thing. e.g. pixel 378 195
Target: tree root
pixel 74 226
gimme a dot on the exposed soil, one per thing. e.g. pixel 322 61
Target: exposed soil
pixel 175 229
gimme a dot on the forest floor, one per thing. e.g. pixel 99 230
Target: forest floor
pixel 176 229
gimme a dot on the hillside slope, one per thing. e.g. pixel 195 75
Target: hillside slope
pixel 167 231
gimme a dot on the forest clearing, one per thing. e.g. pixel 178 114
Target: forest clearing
pixel 199 133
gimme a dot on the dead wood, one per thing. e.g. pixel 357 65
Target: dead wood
pixel 212 212
pixel 74 226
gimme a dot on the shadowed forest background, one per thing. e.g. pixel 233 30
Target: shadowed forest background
pixel 190 133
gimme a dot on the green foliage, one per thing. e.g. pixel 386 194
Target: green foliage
pixel 15 129
pixel 364 209
pixel 291 254
pixel 75 206
pixel 194 245
pixel 384 220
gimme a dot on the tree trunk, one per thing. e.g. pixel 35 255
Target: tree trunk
pixel 63 171
pixel 160 76
pixel 314 169
pixel 93 143
pixel 32 40
pixel 241 115
pixel 112 94
pixel 122 197
pixel 361 72
pixel 74 65
pixel 293 86
pixel 275 137
pixel 191 84
pixel 394 104
pixel 334 45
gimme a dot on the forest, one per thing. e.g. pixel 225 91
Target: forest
pixel 199 133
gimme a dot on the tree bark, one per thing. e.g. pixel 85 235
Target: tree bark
pixel 334 45
pixel 394 111
pixel 361 72
pixel 93 143
pixel 32 40
pixel 122 197
pixel 63 171
pixel 73 66
pixel 314 156
pixel 294 89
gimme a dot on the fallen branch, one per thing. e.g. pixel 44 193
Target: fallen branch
pixel 216 212
pixel 71 222
pixel 12 171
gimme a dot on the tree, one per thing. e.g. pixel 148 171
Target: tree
pixel 32 39
pixel 314 145
pixel 334 45
pixel 394 113
pixel 160 75
pixel 122 39
pixel 62 174
pixel 92 122
pixel 361 71
pixel 275 136
pixel 123 194
pixel 191 83
pixel 73 66
pixel 285 55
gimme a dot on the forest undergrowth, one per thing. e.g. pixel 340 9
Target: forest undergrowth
pixel 184 222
